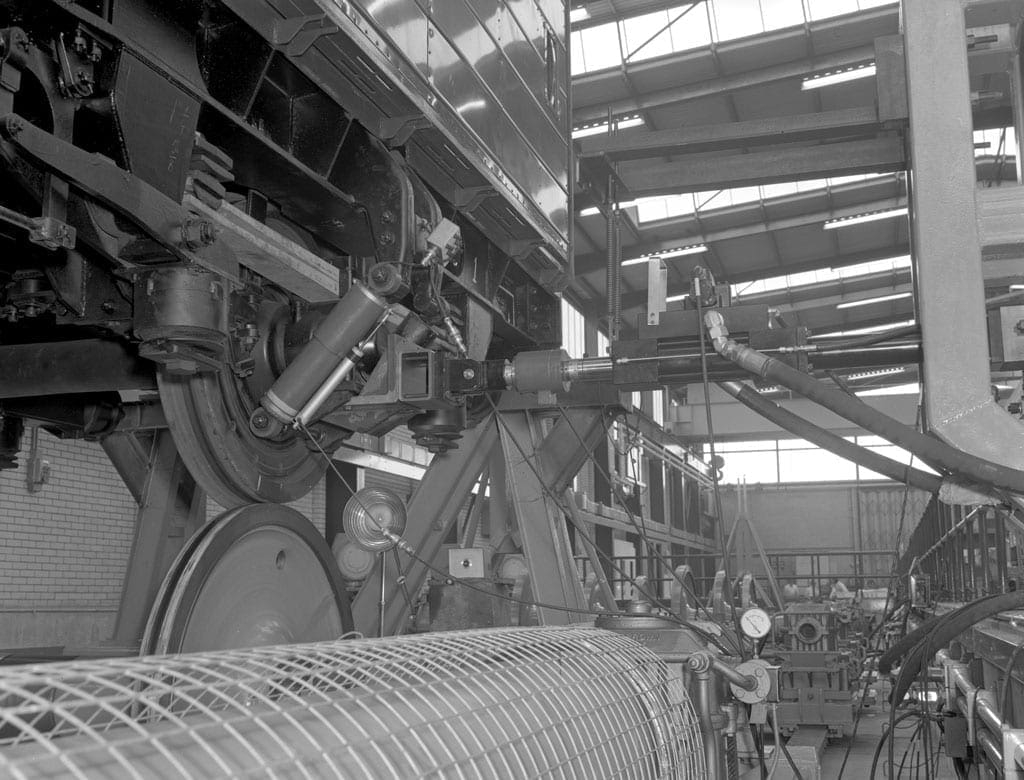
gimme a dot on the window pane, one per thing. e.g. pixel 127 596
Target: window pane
pixel 815 465
pixel 658 406
pixel 782 13
pixel 572 330
pixel 737 18
pixel 753 466
pixel 822 9
pixel 744 446
pixel 650 32
pixel 601 46
pixel 691 31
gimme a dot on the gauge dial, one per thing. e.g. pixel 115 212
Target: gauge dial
pixel 755 623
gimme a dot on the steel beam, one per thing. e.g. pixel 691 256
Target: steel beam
pixel 690 231
pixel 877 155
pixel 828 125
pixel 161 523
pixel 749 79
pixel 951 299
pixel 433 509
pixel 65 367
pixel 540 520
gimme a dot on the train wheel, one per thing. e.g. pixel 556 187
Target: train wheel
pixel 256 575
pixel 208 415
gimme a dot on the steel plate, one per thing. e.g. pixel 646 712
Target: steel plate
pixel 256 575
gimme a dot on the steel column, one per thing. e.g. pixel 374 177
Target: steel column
pixel 958 400
pixel 433 509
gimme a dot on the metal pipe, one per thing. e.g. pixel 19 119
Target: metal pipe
pixel 745 681
pixel 992 750
pixel 704 701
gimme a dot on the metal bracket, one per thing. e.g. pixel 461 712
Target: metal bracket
pixel 470 198
pixel 291 36
pixel 1013 748
pixel 398 130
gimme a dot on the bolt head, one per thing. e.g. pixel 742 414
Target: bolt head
pixel 260 420
pixel 469 373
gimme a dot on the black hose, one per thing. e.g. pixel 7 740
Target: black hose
pixel 827 440
pixel 886 734
pixel 889 658
pixel 937 454
pixel 950 626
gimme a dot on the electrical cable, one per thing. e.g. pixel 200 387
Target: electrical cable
pixel 716 489
pixel 777 750
pixel 1004 699
pixel 638 528
pixel 893 577
pixel 408 550
pixel 707 636
pixel 886 735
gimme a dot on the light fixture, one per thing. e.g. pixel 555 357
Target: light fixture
pixel 1016 287
pixel 578 14
pixel 869 301
pixel 668 254
pixel 860 219
pixel 592 210
pixel 674 298
pixel 602 127
pixel 829 78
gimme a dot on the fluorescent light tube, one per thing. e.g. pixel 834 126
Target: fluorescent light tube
pixel 674 298
pixel 668 254
pixel 839 76
pixel 578 14
pixel 620 124
pixel 869 301
pixel 860 219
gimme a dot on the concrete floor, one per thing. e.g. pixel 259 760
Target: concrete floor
pixel 803 746
pixel 872 723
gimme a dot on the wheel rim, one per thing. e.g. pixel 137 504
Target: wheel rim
pixel 208 417
pixel 256 575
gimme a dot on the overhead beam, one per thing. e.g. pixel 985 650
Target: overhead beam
pixel 749 79
pixel 828 125
pixel 638 298
pixel 878 155
pixel 603 11
pixel 689 232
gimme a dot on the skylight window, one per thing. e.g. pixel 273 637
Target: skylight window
pixel 791 281
pixel 668 206
pixel 695 25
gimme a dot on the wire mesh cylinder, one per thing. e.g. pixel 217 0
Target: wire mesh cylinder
pixel 571 702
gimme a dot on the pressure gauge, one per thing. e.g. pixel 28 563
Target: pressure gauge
pixel 755 623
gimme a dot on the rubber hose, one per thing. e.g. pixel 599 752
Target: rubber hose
pixel 827 440
pixel 956 623
pixel 937 454
pixel 890 657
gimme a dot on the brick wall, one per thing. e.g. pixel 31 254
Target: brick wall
pixel 64 548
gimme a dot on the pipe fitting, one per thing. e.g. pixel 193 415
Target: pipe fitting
pixel 699 662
